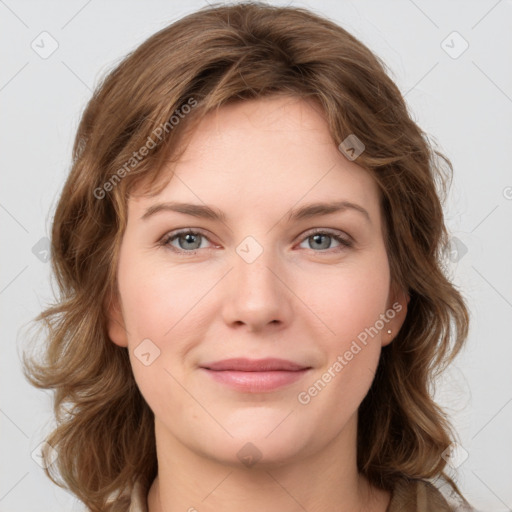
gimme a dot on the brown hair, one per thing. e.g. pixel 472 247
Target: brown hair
pixel 104 433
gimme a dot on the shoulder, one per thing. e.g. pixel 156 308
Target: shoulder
pixel 427 496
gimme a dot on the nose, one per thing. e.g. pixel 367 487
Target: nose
pixel 257 295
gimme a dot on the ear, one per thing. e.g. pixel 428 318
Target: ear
pixel 396 312
pixel 115 321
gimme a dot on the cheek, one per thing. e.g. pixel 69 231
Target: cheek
pixel 349 303
pixel 157 300
pixel 163 307
pixel 350 300
pixel 156 319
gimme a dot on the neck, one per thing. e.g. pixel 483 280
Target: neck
pixel 328 480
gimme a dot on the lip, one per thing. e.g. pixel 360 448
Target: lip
pixel 255 375
pixel 254 365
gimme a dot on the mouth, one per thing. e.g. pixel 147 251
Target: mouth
pixel 255 375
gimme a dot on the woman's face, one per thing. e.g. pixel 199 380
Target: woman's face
pixel 263 275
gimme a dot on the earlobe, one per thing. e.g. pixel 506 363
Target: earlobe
pixel 115 323
pixel 396 312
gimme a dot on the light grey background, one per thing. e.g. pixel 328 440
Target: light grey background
pixel 465 103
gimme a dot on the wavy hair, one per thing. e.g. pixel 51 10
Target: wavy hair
pixel 104 431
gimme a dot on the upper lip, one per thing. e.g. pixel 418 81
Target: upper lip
pixel 254 365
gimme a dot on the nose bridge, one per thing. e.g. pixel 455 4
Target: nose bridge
pixel 253 262
pixel 257 296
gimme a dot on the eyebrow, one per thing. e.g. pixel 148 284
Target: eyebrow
pixel 207 212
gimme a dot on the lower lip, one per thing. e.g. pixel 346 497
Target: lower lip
pixel 255 382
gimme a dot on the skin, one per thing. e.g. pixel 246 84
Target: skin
pixel 302 299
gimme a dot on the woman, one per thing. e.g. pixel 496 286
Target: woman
pixel 249 249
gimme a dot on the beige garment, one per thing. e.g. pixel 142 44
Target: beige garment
pixel 408 496
pixel 423 496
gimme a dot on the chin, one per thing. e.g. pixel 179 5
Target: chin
pixel 266 441
pixel 257 453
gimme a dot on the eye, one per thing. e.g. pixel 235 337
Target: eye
pixel 187 241
pixel 322 240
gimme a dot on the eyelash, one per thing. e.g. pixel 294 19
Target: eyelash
pixel 165 241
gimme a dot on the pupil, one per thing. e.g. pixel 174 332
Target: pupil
pixel 318 239
pixel 189 238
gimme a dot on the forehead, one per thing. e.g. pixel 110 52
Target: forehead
pixel 269 127
pixel 255 154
